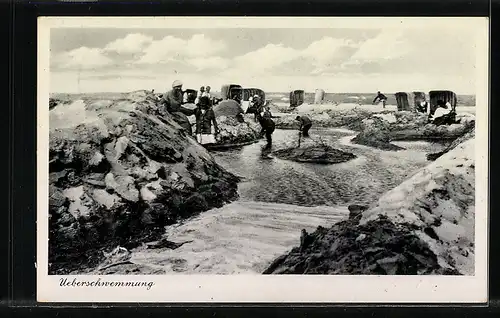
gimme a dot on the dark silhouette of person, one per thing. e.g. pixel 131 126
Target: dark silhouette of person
pixel 268 127
pixel 305 125
pixel 267 112
pixel 205 116
pixel 256 106
pixel 380 98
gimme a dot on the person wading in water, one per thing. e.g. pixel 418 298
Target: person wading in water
pixel 268 127
pixel 172 102
pixel 205 116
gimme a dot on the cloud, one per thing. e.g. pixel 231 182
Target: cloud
pixel 388 60
pixel 388 44
pixel 82 58
pixel 209 63
pixel 328 53
pixel 171 49
pixel 317 57
pixel 327 48
pixel 414 51
pixel 131 44
pixel 266 58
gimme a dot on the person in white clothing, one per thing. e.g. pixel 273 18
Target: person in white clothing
pixel 441 110
pixel 443 114
pixel 199 95
pixel 205 117
pixel 207 92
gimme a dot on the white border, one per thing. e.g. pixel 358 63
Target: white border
pixel 269 288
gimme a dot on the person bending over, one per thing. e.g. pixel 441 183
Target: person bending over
pixel 380 98
pixel 268 127
pixel 305 125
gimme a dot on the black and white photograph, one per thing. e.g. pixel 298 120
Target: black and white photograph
pixel 271 150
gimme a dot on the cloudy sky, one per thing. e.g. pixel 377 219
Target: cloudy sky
pixel 278 60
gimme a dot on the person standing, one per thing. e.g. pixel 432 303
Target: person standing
pixel 199 94
pixel 380 98
pixel 207 92
pixel 205 116
pixel 172 102
pixel 256 106
pixel 305 125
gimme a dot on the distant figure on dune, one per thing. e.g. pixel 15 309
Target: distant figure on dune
pixel 380 98
pixel 172 101
pixel 305 125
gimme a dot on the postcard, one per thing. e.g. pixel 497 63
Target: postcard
pixel 262 159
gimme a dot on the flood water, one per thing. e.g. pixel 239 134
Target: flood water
pixel 278 198
pixel 360 181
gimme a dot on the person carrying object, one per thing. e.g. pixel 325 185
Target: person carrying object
pixel 205 116
pixel 380 98
pixel 305 125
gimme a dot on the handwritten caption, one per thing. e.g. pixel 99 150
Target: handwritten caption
pixel 65 282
